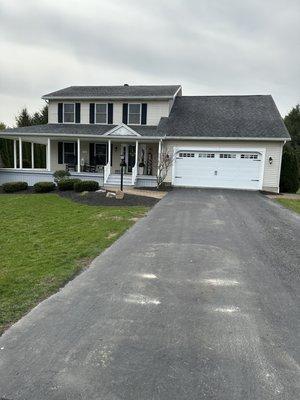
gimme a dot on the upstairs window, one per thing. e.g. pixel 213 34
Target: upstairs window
pixel 101 113
pixel 134 114
pixel 69 112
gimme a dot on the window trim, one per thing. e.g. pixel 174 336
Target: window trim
pixel 63 155
pixel 64 122
pixel 95 115
pixel 128 113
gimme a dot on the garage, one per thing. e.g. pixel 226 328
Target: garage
pixel 218 169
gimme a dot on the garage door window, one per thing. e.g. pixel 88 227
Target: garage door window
pixel 250 156
pixel 206 155
pixel 183 155
pixel 227 155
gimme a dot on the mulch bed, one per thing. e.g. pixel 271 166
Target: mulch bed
pixel 100 199
pixel 96 198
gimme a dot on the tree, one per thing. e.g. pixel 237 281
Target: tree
pixel 292 122
pixel 165 162
pixel 24 118
pixel 289 179
pixel 2 126
pixel 37 118
pixel 40 117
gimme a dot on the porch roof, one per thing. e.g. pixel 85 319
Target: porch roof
pixel 78 130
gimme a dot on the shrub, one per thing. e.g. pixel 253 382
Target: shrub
pixel 61 174
pixel 67 184
pixel 44 187
pixel 289 179
pixel 89 186
pixel 12 187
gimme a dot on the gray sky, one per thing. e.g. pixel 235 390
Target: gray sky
pixel 208 46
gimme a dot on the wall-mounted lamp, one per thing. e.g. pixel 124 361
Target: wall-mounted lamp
pixel 270 160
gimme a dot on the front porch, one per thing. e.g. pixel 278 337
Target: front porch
pixel 35 159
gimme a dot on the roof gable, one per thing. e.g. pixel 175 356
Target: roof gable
pixel 122 130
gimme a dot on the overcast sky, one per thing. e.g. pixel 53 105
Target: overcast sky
pixel 207 46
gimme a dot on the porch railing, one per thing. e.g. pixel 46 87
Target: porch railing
pixel 106 172
pixel 134 174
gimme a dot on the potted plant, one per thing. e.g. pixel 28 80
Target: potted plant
pixel 141 168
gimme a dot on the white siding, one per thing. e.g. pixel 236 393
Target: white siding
pixel 52 112
pixel 272 149
pixel 155 110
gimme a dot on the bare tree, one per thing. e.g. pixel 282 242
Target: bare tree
pixel 165 162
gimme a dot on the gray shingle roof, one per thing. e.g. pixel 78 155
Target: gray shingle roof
pixel 93 92
pixel 78 129
pixel 224 116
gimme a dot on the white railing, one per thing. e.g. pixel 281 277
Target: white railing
pixel 106 172
pixel 134 174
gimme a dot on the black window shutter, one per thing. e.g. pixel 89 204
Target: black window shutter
pixel 125 113
pixel 144 114
pixel 92 154
pixel 60 112
pixel 110 116
pixel 60 152
pixel 92 113
pixel 77 113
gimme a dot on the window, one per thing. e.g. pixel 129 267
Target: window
pixel 69 155
pixel 227 155
pixel 101 113
pixel 186 155
pixel 100 154
pixel 206 155
pixel 69 112
pixel 134 114
pixel 250 156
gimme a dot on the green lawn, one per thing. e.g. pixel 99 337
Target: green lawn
pixel 292 204
pixel 45 240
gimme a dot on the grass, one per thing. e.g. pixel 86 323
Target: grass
pixel 291 204
pixel 46 240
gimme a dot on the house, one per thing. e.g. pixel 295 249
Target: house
pixel 215 141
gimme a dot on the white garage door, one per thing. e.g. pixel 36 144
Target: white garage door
pixel 218 169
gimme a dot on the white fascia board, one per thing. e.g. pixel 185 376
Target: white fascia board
pixel 270 139
pixel 58 135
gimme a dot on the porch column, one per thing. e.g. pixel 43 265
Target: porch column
pixel 159 151
pixel 78 155
pixel 15 154
pixel 20 154
pixel 109 152
pixel 136 153
pixel 32 155
pixel 48 155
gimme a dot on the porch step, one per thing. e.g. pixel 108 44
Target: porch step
pixel 115 180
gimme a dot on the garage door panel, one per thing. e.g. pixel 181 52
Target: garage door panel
pixel 241 170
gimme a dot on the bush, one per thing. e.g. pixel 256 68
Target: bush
pixel 289 179
pixel 89 186
pixel 67 184
pixel 12 187
pixel 44 187
pixel 61 174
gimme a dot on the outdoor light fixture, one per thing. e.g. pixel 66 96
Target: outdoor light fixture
pixel 270 160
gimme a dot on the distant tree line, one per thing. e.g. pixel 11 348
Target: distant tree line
pixel 290 171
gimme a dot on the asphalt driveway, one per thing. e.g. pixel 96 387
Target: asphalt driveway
pixel 199 300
